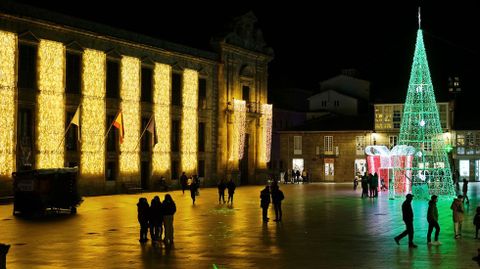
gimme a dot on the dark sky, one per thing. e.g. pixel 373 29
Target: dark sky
pixel 314 41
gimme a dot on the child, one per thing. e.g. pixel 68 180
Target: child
pixel 476 222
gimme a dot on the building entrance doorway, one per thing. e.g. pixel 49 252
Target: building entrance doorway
pixel 297 165
pixel 329 169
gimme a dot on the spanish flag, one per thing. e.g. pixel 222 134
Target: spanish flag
pixel 118 123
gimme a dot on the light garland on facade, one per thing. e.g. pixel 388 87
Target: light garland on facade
pixel 8 43
pixel 189 121
pixel 239 119
pixel 267 131
pixel 130 95
pixel 50 104
pixel 161 110
pixel 421 129
pixel 93 117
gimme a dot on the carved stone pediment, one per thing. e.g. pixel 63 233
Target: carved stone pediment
pixel 242 32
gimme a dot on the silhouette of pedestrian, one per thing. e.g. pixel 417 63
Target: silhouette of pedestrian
pixel 265 202
pixel 231 190
pixel 183 182
pixel 193 190
pixel 432 218
pixel 277 198
pixel 457 213
pixel 143 216
pixel 476 222
pixel 465 190
pixel 156 219
pixel 169 210
pixel 221 191
pixel 407 213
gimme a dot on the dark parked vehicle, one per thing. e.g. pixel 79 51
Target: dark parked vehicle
pixel 37 191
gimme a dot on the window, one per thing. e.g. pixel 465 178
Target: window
pixel 360 145
pixel 113 79
pixel 27 66
pixel 111 173
pixel 201 168
pixel 201 137
pixel 147 75
pixel 464 168
pixel 72 134
pixel 112 136
pixel 176 89
pixel 328 144
pixel 202 93
pixel 460 150
pixel 397 116
pixel 297 145
pixel 73 72
pixel 460 140
pixel 246 94
pixel 175 138
pixel 393 140
pixel 175 168
pixel 317 150
pixel 470 139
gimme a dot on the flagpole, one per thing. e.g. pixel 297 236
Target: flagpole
pixel 63 138
pixel 144 130
pixel 111 124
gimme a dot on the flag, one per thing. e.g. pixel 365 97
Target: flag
pixel 153 131
pixel 76 121
pixel 118 123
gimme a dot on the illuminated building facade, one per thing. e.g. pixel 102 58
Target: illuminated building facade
pixel 210 107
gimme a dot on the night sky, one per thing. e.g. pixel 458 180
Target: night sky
pixel 313 42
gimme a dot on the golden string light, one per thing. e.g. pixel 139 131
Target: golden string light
pixel 8 43
pixel 239 118
pixel 189 121
pixel 130 95
pixel 50 104
pixel 267 132
pixel 161 110
pixel 92 120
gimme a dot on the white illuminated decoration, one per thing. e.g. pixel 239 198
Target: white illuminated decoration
pixel 161 108
pixel 267 117
pixel 189 121
pixel 92 120
pixel 239 118
pixel 50 104
pixel 422 123
pixel 8 43
pixel 129 159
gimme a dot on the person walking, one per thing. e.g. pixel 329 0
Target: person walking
pixel 183 182
pixel 465 190
pixel 265 202
pixel 143 216
pixel 277 198
pixel 221 191
pixel 156 219
pixel 169 210
pixel 407 213
pixel 457 214
pixel 476 222
pixel 432 218
pixel 364 183
pixel 231 190
pixel 193 190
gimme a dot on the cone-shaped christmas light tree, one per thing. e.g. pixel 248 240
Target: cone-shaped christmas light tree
pixel 428 171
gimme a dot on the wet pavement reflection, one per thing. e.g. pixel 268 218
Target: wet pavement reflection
pixel 324 226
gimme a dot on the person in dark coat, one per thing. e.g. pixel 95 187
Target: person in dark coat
pixel 169 209
pixel 265 202
pixel 231 190
pixel 407 213
pixel 143 216
pixel 183 182
pixel 221 191
pixel 476 222
pixel 364 185
pixel 193 190
pixel 156 219
pixel 277 198
pixel 432 218
pixel 465 190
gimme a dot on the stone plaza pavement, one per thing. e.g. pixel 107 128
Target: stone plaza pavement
pixel 324 226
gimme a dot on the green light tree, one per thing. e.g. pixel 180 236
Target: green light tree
pixel 429 172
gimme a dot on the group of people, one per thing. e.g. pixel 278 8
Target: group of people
pixel 432 219
pixel 230 185
pixel 276 198
pixel 369 185
pixel 158 217
pixel 294 176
